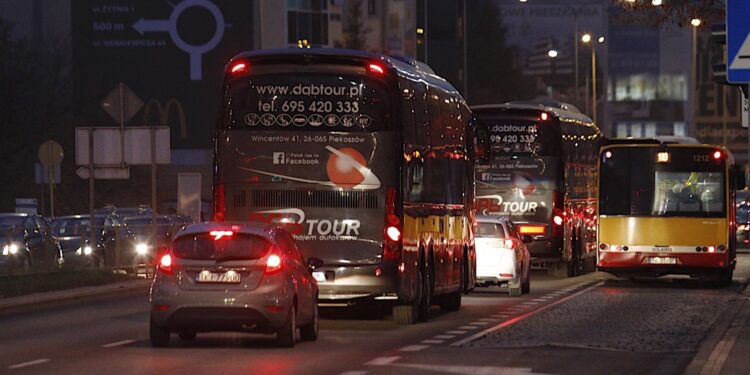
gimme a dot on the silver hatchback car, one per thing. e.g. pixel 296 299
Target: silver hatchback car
pixel 245 277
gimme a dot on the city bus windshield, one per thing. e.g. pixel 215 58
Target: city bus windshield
pixel 688 183
pixel 309 102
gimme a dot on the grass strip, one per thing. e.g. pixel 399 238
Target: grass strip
pixel 22 284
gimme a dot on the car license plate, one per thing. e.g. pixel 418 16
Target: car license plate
pixel 218 277
pixel 319 276
pixel 662 249
pixel 661 260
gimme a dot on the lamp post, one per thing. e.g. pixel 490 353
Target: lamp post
pixel 695 22
pixel 587 38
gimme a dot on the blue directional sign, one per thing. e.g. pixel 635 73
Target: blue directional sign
pixel 738 41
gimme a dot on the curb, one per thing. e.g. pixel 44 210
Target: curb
pixel 46 299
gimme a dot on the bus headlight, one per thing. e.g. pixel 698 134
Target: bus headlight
pixel 141 249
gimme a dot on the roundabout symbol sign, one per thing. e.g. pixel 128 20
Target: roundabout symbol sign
pixel 170 25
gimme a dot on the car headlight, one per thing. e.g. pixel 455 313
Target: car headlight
pixel 86 250
pixel 10 249
pixel 141 249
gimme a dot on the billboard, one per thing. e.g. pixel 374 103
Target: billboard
pixel 170 54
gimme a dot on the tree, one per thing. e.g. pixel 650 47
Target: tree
pixel 355 29
pixel 674 12
pixel 494 75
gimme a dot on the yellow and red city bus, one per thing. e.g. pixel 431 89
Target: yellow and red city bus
pixel 667 209
pixel 366 159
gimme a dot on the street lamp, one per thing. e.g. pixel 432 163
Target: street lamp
pixel 656 2
pixel 552 53
pixel 586 38
pixel 695 22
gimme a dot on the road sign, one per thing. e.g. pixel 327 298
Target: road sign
pixel 122 104
pixel 50 153
pixel 738 41
pixel 26 205
pixel 42 173
pixel 105 173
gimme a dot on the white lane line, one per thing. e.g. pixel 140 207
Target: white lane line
pixel 479 323
pixel 467 327
pixel 718 356
pixel 382 361
pixel 444 337
pixel 524 316
pixel 487 320
pixel 118 343
pixel 456 332
pixel 414 348
pixel 354 373
pixel 29 363
pixel 433 341
pixel 539 299
pixel 529 303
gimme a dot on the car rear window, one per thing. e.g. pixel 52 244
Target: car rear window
pixel 490 230
pixel 207 247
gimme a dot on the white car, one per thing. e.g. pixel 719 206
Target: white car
pixel 502 256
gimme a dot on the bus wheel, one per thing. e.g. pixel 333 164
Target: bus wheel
pixel 425 302
pixel 724 278
pixel 452 301
pixel 405 314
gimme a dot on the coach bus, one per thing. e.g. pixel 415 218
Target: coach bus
pixel 540 170
pixel 366 160
pixel 667 209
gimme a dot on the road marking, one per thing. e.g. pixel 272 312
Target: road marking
pixel 414 348
pixel 434 369
pixel 467 327
pixel 487 320
pixel 118 343
pixel 29 363
pixel 444 337
pixel 479 323
pixel 529 303
pixel 522 317
pixel 456 332
pixel 354 373
pixel 382 361
pixel 539 299
pixel 433 341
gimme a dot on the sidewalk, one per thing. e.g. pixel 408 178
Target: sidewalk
pixel 726 350
pixel 39 300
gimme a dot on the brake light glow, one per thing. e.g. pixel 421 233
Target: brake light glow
pixel 544 116
pixel 557 220
pixel 239 68
pixel 508 244
pixel 376 69
pixel 711 249
pixel 531 229
pixel 165 263
pixel 717 155
pixel 219 207
pixel 393 234
pixel 219 234
pixel 273 263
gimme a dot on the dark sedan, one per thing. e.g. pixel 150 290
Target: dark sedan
pixel 27 243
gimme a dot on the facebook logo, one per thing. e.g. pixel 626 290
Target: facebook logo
pixel 279 158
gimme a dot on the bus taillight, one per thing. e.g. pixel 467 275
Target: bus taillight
pixel 375 69
pixel 544 116
pixel 717 155
pixel 239 67
pixel 392 232
pixel 531 229
pixel 219 207
pixel 558 220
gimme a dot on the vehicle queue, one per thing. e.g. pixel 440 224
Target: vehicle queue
pixel 371 181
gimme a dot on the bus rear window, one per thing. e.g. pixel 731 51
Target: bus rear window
pixel 206 247
pixel 512 135
pixel 310 102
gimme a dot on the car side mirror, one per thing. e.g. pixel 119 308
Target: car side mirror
pixel 527 239
pixel 313 263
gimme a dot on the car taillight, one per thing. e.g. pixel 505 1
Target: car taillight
pixel 392 231
pixel 165 264
pixel 508 244
pixel 219 207
pixel 239 67
pixel 273 263
pixel 375 69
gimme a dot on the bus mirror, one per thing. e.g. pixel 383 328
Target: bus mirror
pixel 739 177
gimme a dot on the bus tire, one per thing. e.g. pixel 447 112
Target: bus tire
pixel 405 314
pixel 724 278
pixel 425 301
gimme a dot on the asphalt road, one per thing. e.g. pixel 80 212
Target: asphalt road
pixel 583 325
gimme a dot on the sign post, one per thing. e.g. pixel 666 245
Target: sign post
pixel 51 154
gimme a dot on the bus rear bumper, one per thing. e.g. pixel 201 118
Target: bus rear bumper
pixel 348 285
pixel 661 264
